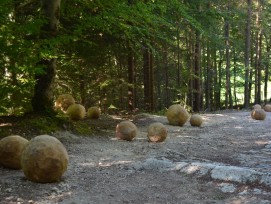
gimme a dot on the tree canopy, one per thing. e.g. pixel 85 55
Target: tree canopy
pixel 135 54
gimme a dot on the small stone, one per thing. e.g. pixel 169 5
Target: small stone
pixel 227 188
pixel 9 190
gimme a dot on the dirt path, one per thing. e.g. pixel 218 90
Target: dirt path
pixel 227 160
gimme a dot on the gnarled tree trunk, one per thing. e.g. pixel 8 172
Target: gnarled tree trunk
pixel 42 101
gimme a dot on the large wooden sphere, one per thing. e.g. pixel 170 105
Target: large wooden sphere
pixel 76 112
pixel 196 120
pixel 93 112
pixel 257 106
pixel 157 132
pixel 258 114
pixel 177 115
pixel 64 101
pixel 267 108
pixel 11 148
pixel 126 130
pixel 44 159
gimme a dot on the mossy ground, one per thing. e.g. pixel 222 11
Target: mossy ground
pixel 31 125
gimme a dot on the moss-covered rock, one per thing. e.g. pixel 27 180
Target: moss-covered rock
pixel 64 101
pixel 93 112
pixel 126 130
pixel 258 114
pixel 196 120
pixel 76 112
pixel 177 115
pixel 11 148
pixel 157 132
pixel 44 159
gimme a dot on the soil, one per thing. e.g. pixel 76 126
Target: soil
pixel 105 170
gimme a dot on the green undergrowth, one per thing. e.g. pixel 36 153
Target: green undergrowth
pixel 29 126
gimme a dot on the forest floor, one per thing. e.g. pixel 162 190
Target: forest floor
pixel 227 160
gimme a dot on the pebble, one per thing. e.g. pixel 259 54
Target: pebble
pixel 227 188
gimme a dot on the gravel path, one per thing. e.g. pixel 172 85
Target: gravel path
pixel 227 160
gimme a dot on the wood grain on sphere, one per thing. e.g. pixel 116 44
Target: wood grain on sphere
pixel 177 115
pixel 258 114
pixel 76 112
pixel 267 108
pixel 196 120
pixel 157 132
pixel 93 112
pixel 64 101
pixel 11 148
pixel 257 106
pixel 126 130
pixel 44 159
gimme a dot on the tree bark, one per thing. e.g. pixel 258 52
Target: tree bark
pixel 266 76
pixel 247 54
pixel 197 83
pixel 131 80
pixel 258 48
pixel 228 100
pixel 148 79
pixel 42 101
pixel 166 75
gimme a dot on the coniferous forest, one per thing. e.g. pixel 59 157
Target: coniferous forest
pixel 134 55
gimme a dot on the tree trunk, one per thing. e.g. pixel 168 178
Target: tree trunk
pixel 208 80
pixel 266 76
pixel 42 101
pixel 191 64
pixel 247 54
pixel 258 56
pixel 83 89
pixel 234 78
pixel 179 66
pixel 228 100
pixel 148 79
pixel 197 84
pixel 166 74
pixel 219 81
pixel 131 80
pixel 216 82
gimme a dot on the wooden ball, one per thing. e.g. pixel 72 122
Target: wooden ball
pixel 93 112
pixel 157 132
pixel 64 101
pixel 126 130
pixel 177 115
pixel 257 106
pixel 196 120
pixel 44 159
pixel 11 148
pixel 76 112
pixel 258 114
pixel 267 108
